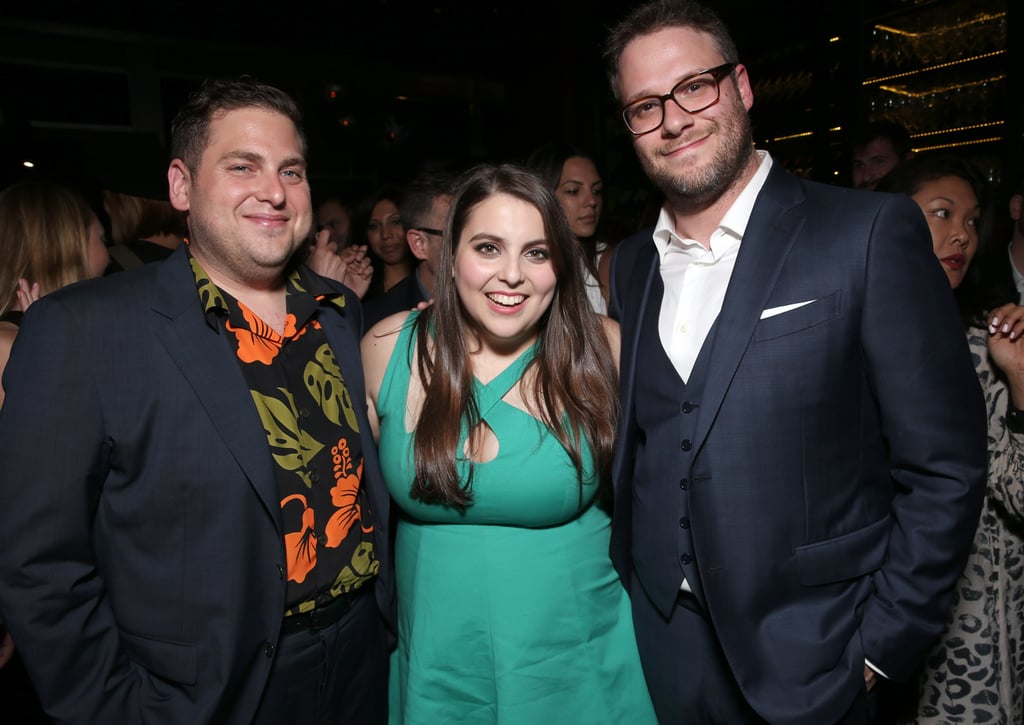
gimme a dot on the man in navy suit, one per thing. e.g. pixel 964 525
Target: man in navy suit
pixel 194 522
pixel 802 457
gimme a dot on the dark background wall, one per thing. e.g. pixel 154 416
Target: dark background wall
pixel 387 85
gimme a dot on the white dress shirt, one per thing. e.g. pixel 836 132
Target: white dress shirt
pixel 695 278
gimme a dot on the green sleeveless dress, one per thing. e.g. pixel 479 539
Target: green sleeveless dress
pixel 509 612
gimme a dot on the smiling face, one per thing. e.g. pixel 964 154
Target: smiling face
pixel 693 157
pixel 386 233
pixel 248 198
pixel 580 192
pixel 952 210
pixel 503 272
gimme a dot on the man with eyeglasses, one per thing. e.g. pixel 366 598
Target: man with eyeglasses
pixel 424 211
pixel 802 453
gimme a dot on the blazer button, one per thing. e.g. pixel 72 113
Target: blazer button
pixel 686 445
pixel 268 649
pixel 684 483
pixel 684 523
pixel 685 559
pixel 688 407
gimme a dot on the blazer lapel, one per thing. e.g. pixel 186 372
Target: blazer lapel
pixel 202 355
pixel 773 227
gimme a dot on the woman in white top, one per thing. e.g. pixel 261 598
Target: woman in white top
pixel 572 174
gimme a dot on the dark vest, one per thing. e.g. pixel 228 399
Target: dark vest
pixel 666 415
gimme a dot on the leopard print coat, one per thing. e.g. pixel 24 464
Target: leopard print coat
pixel 975 674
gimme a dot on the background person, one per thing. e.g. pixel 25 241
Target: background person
pixel 976 671
pixel 572 174
pixel 878 149
pixel 424 210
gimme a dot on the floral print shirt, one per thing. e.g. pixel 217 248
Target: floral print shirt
pixel 307 412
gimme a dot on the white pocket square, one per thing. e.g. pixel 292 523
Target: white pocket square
pixel 773 311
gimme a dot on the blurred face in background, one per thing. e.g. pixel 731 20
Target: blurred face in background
pixel 334 217
pixel 385 233
pixel 872 162
pixel 952 210
pixel 580 192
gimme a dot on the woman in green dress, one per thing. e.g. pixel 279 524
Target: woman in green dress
pixel 495 411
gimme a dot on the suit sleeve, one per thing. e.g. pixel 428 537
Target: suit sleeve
pixel 54 462
pixel 933 417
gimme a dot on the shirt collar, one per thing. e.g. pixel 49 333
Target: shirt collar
pixel 734 223
pixel 305 292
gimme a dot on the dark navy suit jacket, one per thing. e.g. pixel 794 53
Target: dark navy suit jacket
pixel 142 571
pixel 839 457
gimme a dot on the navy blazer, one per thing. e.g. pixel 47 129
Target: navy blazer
pixel 143 565
pixel 840 448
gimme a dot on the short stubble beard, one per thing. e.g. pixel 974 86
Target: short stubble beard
pixel 701 187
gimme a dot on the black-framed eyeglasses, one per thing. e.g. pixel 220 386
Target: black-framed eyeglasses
pixel 428 230
pixel 692 94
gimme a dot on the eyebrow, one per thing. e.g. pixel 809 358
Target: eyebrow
pixel 255 157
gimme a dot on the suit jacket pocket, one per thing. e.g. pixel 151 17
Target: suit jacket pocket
pixel 821 310
pixel 172 661
pixel 845 557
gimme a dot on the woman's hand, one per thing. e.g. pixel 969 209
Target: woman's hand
pixel 351 266
pixel 1005 329
pixel 27 294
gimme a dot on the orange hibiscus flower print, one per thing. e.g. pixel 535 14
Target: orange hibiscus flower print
pixel 260 343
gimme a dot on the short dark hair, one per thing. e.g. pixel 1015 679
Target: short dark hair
pixel 190 129
pixel 420 194
pixel 660 15
pixel 895 133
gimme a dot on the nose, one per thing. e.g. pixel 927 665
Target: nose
pixel 589 199
pixel 271 189
pixel 511 271
pixel 675 118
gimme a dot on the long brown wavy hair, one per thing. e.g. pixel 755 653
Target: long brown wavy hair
pixel 575 377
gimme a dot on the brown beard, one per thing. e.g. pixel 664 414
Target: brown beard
pixel 702 187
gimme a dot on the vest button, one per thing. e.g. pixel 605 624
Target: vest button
pixel 684 523
pixel 685 559
pixel 686 445
pixel 684 483
pixel 688 407
pixel 268 649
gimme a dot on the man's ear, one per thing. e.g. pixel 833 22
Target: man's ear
pixel 417 242
pixel 179 182
pixel 1016 206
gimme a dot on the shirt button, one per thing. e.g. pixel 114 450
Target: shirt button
pixel 322 538
pixel 686 445
pixel 684 483
pixel 303 412
pixel 688 407
pixel 684 328
pixel 268 649
pixel 685 559
pixel 684 523
pixel 314 476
